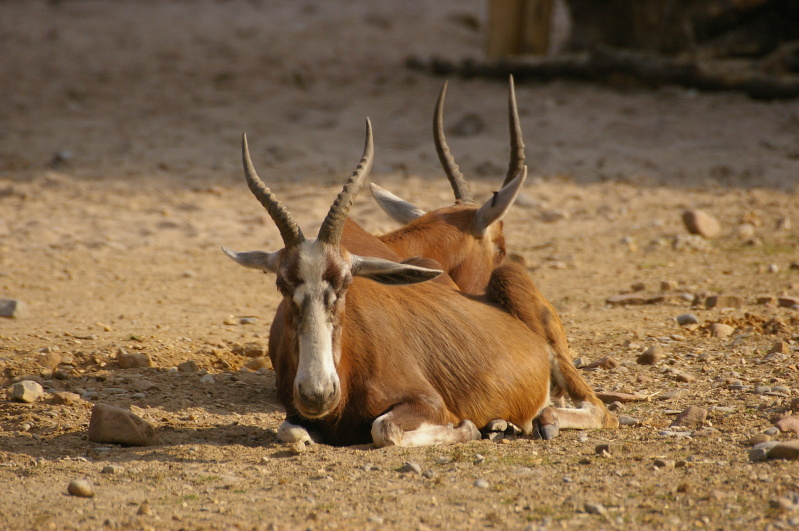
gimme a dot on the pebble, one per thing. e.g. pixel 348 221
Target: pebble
pixel 113 469
pixel 138 396
pixel 144 509
pixel 605 448
pixel 672 433
pixel 249 350
pixel 65 398
pixel 13 309
pixel 667 464
pixel 757 439
pixel 721 330
pixel 595 508
pixel 671 395
pixel 297 447
pixel 628 421
pixel 701 223
pixel 785 450
pixel 111 424
pixel 410 467
pixel 26 391
pixel 606 362
pixel 686 319
pixel 189 366
pixel 132 360
pixel 685 377
pixel 207 379
pixel 788 424
pixel 724 301
pixel 256 364
pixel 49 360
pixel 772 431
pixel 481 483
pixel 757 455
pixel 478 458
pixel 81 488
pixel 690 417
pixel 429 474
pixel 651 355
pixel 625 299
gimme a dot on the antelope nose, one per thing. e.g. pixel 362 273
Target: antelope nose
pixel 317 400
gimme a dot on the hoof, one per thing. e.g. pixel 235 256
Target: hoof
pixel 469 431
pixel 548 431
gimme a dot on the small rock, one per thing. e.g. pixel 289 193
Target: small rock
pixel 724 301
pixel 668 285
pixel 772 431
pixel 638 286
pixel 605 362
pixel 13 309
pixel 628 421
pixel 671 395
pixel 605 448
pixel 112 469
pixel 144 385
pixel 481 483
pixel 144 509
pixel 625 299
pixel 410 467
pixel 745 231
pixel 721 330
pixel 132 360
pixel 684 377
pixel 780 347
pixel 701 223
pixel 757 439
pixel 650 356
pixel 26 391
pixel 207 379
pixel 256 364
pixel 788 302
pixel 788 424
pixel 595 508
pixel 249 350
pixel 297 447
pixel 615 406
pixel 429 474
pixel 111 424
pixel 666 464
pixel 686 319
pixel 758 454
pixel 706 431
pixel 188 366
pixel 785 450
pixel 690 417
pixel 65 398
pixel 478 458
pixel 49 360
pixel 81 488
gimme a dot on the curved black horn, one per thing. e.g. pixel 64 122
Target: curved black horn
pixel 516 141
pixel 333 226
pixel 456 180
pixel 289 230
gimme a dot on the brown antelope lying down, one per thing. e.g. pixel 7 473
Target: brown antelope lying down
pixel 466 240
pixel 361 355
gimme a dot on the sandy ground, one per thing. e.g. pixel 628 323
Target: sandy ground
pixel 120 178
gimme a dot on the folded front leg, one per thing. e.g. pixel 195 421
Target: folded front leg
pixel 416 423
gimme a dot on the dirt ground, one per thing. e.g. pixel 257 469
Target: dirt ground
pixel 120 178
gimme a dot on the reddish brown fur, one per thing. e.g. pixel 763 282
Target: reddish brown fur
pixel 448 235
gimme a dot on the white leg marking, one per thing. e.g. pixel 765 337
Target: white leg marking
pixel 385 433
pixel 291 433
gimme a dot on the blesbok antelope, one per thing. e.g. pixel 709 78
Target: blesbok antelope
pixel 466 239
pixel 362 356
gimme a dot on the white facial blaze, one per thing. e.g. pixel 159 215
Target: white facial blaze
pixel 316 372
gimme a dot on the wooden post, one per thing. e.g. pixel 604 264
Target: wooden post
pixel 518 27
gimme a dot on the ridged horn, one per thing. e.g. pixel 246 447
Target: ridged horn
pixel 516 141
pixel 333 226
pixel 289 230
pixel 459 186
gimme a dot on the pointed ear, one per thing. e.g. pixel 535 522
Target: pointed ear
pixel 259 260
pixel 495 208
pixel 388 272
pixel 398 209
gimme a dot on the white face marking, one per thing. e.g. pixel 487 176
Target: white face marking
pixel 316 372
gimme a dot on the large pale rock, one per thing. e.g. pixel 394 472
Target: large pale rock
pixel 111 424
pixel 721 330
pixel 788 424
pixel 26 391
pixel 13 308
pixel 690 417
pixel 701 223
pixel 132 360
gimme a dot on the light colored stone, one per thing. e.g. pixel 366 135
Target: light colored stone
pixel 189 366
pixel 481 483
pixel 111 424
pixel 788 424
pixel 250 350
pixel 207 379
pixel 259 363
pixel 26 391
pixel 690 417
pixel 650 356
pixel 687 319
pixel 81 488
pixel 610 397
pixel 410 467
pixel 66 398
pixel 13 309
pixel 606 362
pixel 701 223
pixel 132 360
pixel 721 330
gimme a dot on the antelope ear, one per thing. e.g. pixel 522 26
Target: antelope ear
pixel 388 272
pixel 398 209
pixel 260 260
pixel 495 208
